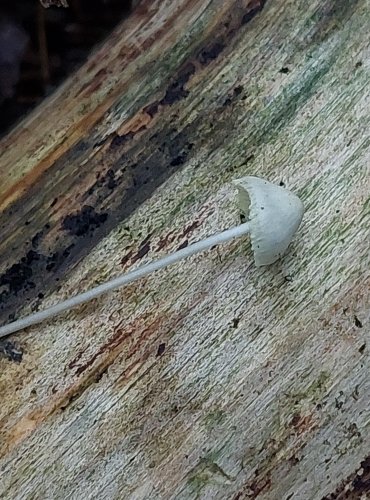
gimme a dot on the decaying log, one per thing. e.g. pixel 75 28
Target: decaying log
pixel 211 379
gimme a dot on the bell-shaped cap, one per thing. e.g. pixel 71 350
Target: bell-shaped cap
pixel 274 215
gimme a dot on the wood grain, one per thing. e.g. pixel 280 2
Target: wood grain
pixel 211 379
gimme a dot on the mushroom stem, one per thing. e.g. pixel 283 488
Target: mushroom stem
pixel 131 276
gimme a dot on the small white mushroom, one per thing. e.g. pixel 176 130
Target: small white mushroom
pixel 274 217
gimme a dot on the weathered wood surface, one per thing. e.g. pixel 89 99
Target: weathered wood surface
pixel 212 379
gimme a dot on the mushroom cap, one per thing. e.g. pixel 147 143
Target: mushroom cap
pixel 274 215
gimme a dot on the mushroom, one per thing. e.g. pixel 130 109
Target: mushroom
pixel 274 216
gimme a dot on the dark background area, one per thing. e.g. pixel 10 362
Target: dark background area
pixel 40 47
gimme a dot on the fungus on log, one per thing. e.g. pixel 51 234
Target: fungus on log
pixel 214 378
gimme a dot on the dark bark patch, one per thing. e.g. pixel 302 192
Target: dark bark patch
pixel 210 53
pixel 85 222
pixel 358 323
pixel 11 351
pixel 161 349
pixel 119 140
pixel 255 7
pixel 176 91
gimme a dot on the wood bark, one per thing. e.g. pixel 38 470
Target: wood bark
pixel 211 379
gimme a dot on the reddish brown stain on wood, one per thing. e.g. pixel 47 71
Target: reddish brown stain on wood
pixel 126 258
pixel 120 336
pixel 302 423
